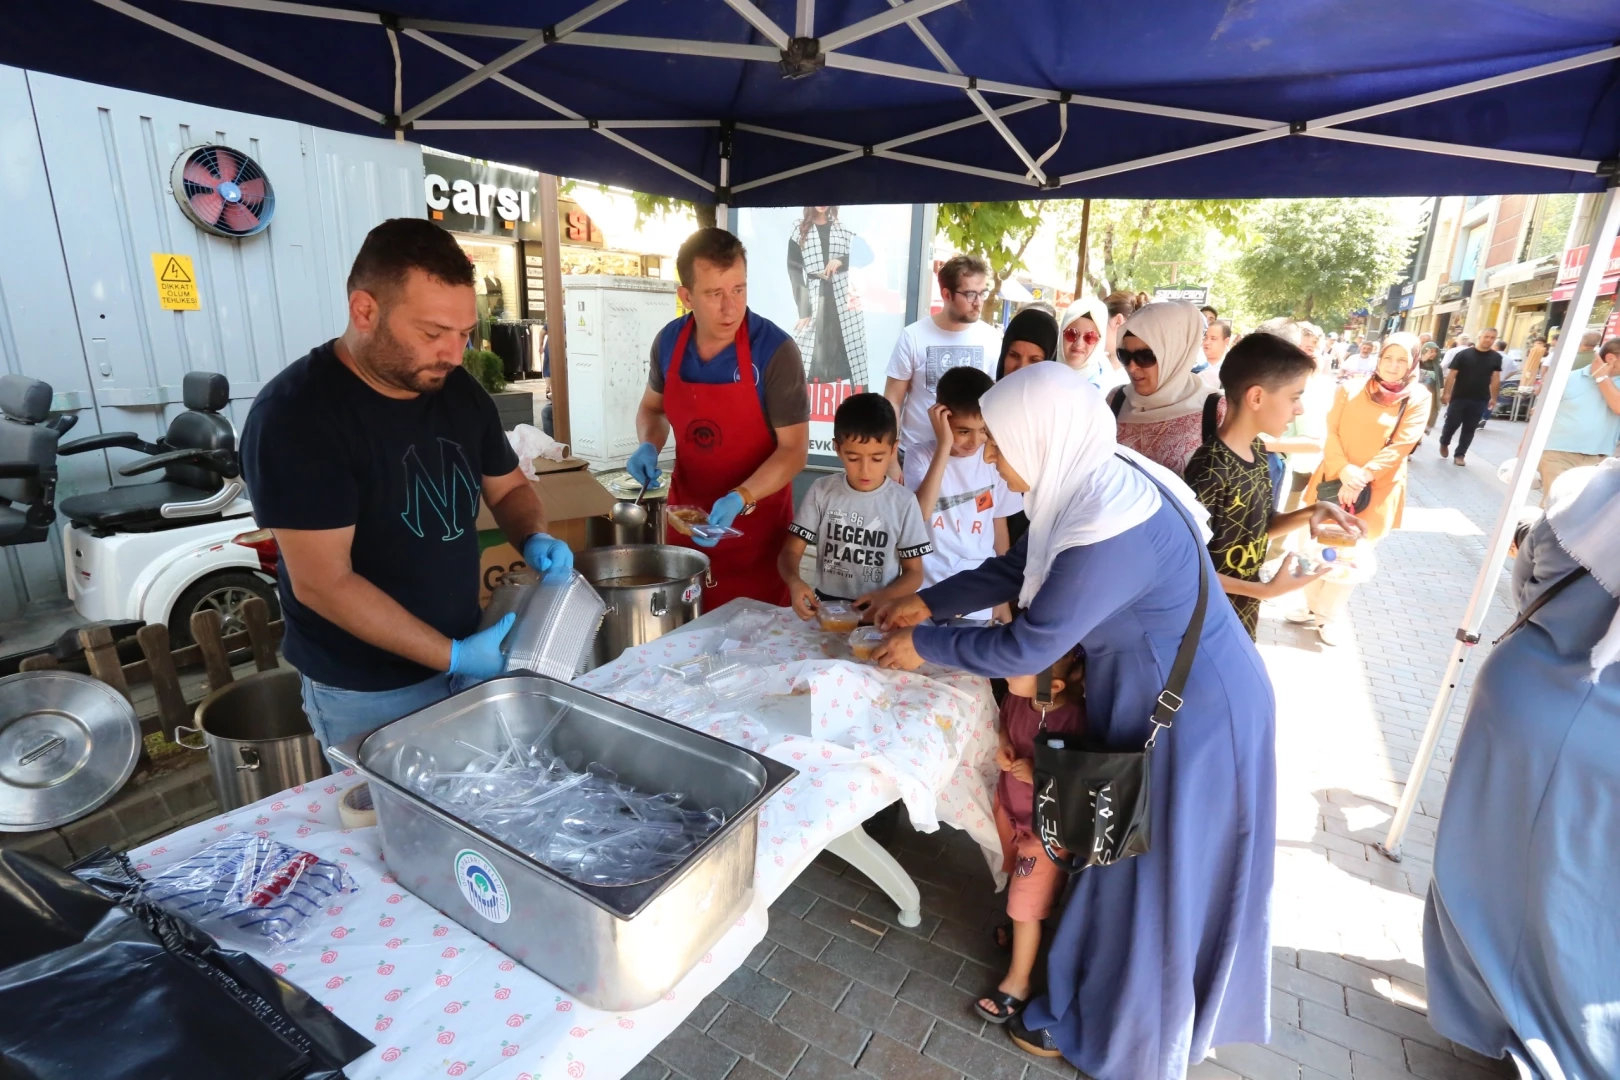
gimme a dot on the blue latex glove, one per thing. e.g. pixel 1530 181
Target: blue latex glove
pixel 480 655
pixel 548 555
pixel 724 512
pixel 643 465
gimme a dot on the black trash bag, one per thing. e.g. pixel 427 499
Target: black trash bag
pixel 144 994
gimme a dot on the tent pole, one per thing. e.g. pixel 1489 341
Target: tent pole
pixel 912 9
pixel 1606 224
pixel 556 310
pixel 804 24
pixel 760 21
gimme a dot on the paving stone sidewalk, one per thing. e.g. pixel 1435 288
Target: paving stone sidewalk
pixel 839 991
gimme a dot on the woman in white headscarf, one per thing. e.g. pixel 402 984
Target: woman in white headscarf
pixel 1159 957
pixel 1084 345
pixel 1519 937
pixel 1166 411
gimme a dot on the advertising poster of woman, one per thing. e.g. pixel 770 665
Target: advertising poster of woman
pixel 843 295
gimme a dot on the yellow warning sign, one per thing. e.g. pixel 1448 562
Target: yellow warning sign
pixel 176 282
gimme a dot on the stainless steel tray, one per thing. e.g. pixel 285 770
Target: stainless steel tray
pixel 613 948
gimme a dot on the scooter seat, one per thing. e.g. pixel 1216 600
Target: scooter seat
pixel 132 506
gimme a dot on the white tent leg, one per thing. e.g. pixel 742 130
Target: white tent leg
pixel 1606 225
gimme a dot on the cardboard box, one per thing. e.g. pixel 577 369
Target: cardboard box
pixel 571 498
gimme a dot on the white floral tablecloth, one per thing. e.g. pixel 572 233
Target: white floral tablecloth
pixel 439 1001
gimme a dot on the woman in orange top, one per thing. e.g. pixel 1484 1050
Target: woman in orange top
pixel 1371 430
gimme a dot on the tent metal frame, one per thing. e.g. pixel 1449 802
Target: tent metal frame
pixel 802 53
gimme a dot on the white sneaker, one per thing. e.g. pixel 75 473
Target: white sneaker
pixel 1330 633
pixel 1301 617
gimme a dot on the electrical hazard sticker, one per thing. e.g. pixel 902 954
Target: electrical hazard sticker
pixel 176 282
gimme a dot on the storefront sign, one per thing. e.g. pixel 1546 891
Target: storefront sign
pixel 1191 294
pixel 1575 258
pixel 1454 290
pixel 496 200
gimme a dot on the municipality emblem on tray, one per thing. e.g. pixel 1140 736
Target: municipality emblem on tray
pixel 481 886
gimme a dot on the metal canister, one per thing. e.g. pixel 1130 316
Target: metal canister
pixel 258 739
pixel 650 589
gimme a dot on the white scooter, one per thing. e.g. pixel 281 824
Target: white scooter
pixel 158 553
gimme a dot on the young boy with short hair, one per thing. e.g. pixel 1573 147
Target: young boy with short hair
pixel 1034 880
pixel 963 499
pixel 868 534
pixel 1263 378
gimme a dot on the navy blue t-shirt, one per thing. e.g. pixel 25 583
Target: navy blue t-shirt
pixel 322 450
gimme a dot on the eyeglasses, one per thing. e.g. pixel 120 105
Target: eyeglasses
pixel 972 295
pixel 1142 358
pixel 1073 335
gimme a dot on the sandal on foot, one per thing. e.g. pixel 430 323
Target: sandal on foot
pixel 1040 1043
pixel 1002 936
pixel 1006 1006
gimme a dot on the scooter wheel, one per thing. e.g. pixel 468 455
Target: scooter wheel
pixel 224 592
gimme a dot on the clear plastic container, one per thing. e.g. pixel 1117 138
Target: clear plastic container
pixel 694 521
pixel 837 616
pixel 864 641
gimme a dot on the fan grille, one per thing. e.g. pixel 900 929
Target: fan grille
pixel 223 191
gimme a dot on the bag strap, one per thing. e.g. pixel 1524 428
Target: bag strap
pixel 1210 426
pixel 1398 417
pixel 1536 605
pixel 1170 700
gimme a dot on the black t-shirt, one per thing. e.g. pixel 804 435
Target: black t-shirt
pixel 322 450
pixel 1474 368
pixel 1238 496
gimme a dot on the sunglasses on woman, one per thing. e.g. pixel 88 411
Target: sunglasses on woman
pixel 1142 358
pixel 1073 335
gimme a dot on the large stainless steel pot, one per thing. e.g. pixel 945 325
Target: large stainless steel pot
pixel 258 739
pixel 650 589
pixel 614 948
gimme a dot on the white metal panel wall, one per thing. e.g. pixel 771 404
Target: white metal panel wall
pixel 84 179
pixel 612 322
pixel 39 334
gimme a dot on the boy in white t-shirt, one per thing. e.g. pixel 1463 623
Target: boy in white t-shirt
pixel 963 499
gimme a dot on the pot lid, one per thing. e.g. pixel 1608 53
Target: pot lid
pixel 67 744
pixel 624 486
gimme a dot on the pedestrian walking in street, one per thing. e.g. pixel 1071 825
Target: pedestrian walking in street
pixel 1519 941
pixel 1166 411
pixel 1586 426
pixel 1432 375
pixel 1160 957
pixel 1473 379
pixel 1372 430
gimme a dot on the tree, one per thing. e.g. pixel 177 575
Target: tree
pixel 1138 244
pixel 648 206
pixel 1321 259
pixel 999 232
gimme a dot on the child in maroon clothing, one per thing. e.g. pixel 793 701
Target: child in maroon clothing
pixel 1035 880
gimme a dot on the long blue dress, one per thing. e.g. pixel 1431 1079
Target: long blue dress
pixel 1521 933
pixel 1158 958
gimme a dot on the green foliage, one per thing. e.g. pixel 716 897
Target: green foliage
pixel 1552 225
pixel 487 367
pixel 1139 244
pixel 999 232
pixel 650 206
pixel 1321 259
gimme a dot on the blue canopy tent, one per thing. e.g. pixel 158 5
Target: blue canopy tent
pixel 789 102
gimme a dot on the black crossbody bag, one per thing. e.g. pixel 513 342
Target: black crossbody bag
pixel 1096 803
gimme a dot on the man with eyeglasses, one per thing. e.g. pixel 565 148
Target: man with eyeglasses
pixel 929 347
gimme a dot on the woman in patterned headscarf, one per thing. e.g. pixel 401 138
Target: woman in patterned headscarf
pixel 1166 411
pixel 831 332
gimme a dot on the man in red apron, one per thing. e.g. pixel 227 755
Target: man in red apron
pixel 730 385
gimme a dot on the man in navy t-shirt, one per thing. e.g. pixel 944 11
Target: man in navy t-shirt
pixel 367 459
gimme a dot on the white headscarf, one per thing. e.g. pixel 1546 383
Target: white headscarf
pixel 1057 432
pixel 1089 307
pixel 1175 332
pixel 1584 514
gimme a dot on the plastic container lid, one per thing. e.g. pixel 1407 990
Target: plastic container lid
pixel 624 486
pixel 67 744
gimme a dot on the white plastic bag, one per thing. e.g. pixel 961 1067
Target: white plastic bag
pixel 529 442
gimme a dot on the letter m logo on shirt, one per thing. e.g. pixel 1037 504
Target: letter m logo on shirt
pixel 451 496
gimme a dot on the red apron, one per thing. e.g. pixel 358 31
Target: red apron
pixel 721 437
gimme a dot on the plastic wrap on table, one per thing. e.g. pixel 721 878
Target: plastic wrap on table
pixel 250 889
pixel 141 994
